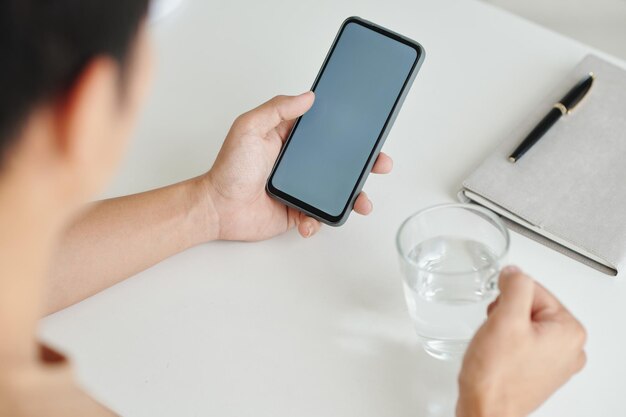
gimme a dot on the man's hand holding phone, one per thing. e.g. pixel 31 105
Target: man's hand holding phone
pixel 235 186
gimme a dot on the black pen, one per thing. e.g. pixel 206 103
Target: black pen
pixel 561 108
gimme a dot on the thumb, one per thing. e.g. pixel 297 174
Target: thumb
pixel 281 108
pixel 516 293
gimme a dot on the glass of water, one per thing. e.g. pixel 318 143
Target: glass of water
pixel 450 257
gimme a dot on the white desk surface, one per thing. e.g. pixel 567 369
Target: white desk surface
pixel 319 328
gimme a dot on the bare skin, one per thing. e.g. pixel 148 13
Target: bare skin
pixel 55 252
pixel 117 238
pixel 529 346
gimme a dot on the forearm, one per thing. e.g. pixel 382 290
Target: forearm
pixel 117 238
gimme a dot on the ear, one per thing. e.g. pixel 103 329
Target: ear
pixel 86 112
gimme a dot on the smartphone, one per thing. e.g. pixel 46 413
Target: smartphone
pixel 358 93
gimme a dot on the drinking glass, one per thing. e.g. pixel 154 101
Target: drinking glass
pixel 450 256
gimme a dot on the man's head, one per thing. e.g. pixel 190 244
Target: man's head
pixel 72 76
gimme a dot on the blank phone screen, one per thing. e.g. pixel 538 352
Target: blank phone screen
pixel 354 97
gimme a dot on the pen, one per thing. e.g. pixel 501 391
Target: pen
pixel 563 107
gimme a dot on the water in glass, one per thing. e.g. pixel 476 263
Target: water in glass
pixel 448 285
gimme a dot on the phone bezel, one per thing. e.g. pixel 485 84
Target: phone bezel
pixel 342 217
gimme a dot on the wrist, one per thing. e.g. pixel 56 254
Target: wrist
pixel 478 406
pixel 203 213
pixel 467 408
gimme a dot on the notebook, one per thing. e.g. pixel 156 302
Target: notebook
pixel 569 191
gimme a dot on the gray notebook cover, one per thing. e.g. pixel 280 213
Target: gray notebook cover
pixel 569 190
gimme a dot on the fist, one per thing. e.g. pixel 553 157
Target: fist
pixel 528 347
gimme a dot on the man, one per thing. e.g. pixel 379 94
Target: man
pixel 73 76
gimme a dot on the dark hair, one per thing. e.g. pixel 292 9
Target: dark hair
pixel 45 44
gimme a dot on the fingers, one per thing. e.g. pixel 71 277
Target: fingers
pixel 308 226
pixel 516 293
pixel 580 362
pixel 577 337
pixel 284 129
pixel 492 306
pixel 271 114
pixel 545 305
pixel 522 297
pixel 363 205
pixel 383 164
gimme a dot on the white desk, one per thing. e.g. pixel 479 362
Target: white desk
pixel 318 328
